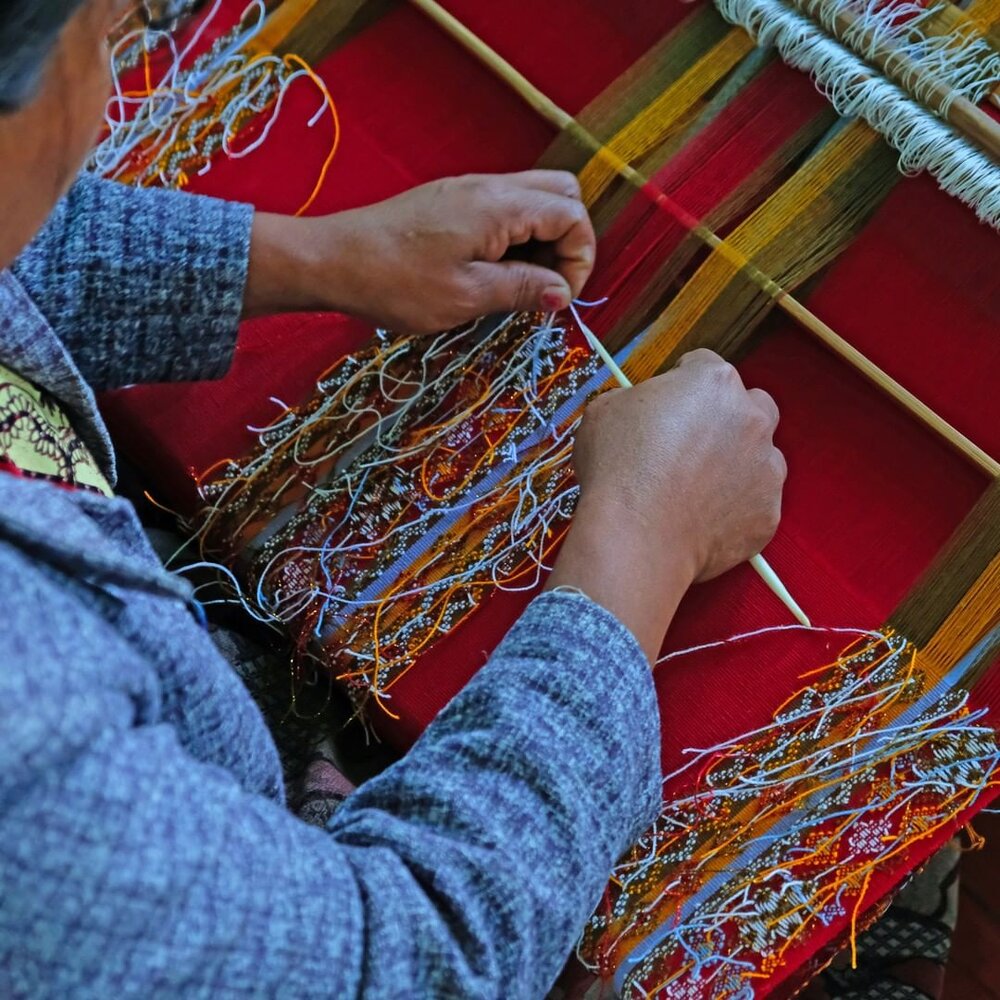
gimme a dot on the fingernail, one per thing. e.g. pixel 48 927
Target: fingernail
pixel 554 300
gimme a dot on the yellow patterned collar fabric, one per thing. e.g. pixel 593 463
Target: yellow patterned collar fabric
pixel 38 441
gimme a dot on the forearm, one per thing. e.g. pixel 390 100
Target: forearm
pixel 312 265
pixel 285 272
pixel 432 258
pixel 639 576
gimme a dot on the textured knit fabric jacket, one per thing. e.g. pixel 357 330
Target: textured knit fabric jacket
pixel 145 849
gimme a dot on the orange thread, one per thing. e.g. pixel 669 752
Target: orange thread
pixel 295 60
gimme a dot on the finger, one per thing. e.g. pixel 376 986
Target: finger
pixel 560 182
pixel 564 224
pixel 765 402
pixel 518 286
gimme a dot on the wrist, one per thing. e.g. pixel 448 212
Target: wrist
pixel 636 570
pixel 656 538
pixel 298 265
pixel 335 263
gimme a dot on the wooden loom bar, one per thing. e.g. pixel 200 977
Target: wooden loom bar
pixel 959 111
pixel 564 121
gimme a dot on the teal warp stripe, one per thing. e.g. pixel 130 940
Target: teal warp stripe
pixel 642 950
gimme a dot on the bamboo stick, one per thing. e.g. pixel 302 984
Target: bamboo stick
pixel 564 121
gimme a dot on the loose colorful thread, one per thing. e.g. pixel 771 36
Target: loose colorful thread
pixel 172 128
pixel 421 475
pixel 767 834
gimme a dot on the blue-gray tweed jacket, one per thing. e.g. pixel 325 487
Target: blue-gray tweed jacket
pixel 145 849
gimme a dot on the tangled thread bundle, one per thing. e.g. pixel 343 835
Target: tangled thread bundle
pixel 421 473
pixel 167 124
pixel 783 828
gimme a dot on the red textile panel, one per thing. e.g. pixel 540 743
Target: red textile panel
pixel 871 495
pixel 919 294
pixel 413 107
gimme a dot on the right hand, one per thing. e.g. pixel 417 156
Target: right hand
pixel 686 458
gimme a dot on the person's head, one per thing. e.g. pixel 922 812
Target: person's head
pixel 53 85
pixel 54 81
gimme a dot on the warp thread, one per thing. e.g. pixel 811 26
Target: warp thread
pixel 961 59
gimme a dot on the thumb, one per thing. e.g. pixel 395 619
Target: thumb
pixel 519 286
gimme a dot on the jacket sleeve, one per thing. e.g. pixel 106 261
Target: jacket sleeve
pixel 141 285
pixel 467 870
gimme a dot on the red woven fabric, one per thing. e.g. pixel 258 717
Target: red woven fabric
pixel 871 495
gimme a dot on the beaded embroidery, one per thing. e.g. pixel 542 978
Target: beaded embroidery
pixel 38 441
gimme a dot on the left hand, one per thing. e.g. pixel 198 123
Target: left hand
pixel 434 257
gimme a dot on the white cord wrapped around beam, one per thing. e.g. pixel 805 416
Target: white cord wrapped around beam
pixel 856 91
pixel 936 69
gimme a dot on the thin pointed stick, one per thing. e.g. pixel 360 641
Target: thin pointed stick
pixel 564 121
pixel 763 568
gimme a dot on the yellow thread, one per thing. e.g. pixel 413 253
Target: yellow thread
pixel 854 919
pixel 655 122
pixel 976 840
pixel 971 618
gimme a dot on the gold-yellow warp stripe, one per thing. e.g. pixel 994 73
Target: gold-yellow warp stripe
pixel 984 14
pixel 816 200
pixel 649 128
pixel 973 616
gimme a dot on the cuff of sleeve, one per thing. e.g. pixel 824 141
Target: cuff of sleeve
pixel 186 324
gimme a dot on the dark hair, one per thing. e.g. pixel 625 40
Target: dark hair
pixel 29 30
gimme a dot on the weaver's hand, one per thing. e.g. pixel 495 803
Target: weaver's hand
pixel 680 480
pixel 687 456
pixel 434 257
